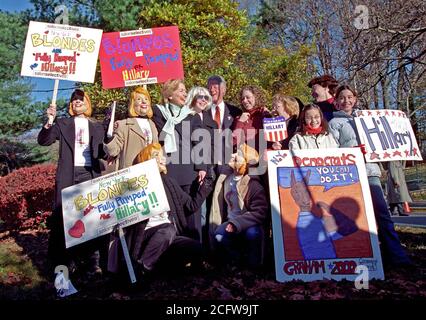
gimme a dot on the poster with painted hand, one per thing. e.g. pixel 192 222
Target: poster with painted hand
pixel 139 57
pixel 125 197
pixel 63 52
pixel 387 135
pixel 322 216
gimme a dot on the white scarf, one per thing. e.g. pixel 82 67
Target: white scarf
pixel 171 121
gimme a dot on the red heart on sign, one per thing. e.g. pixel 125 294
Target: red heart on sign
pixel 77 230
pixel 78 35
pixel 46 32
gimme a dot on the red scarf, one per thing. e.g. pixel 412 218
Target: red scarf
pixel 313 131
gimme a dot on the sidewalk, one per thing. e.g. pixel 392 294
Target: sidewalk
pixel 416 218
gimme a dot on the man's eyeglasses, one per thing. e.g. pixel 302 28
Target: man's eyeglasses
pixel 200 97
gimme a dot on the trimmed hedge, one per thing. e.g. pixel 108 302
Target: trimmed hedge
pixel 26 196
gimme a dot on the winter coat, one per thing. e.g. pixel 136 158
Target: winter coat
pixel 251 128
pixel 252 201
pixel 182 166
pixel 343 128
pixel 310 141
pixel 180 205
pixel 64 131
pixel 327 108
pixel 128 141
pixel 222 143
pixel 396 175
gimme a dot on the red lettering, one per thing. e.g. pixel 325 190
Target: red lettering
pixel 344 159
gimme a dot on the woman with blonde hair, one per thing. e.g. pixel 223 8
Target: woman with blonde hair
pixel 175 122
pixel 134 133
pixel 80 151
pixel 287 107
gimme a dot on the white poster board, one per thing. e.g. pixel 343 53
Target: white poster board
pixel 387 135
pixel 62 52
pixel 125 197
pixel 322 215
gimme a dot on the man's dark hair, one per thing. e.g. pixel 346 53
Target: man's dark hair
pixel 325 81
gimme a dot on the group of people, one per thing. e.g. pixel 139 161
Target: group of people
pixel 204 148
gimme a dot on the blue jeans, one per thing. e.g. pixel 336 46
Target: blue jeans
pixel 389 240
pixel 249 242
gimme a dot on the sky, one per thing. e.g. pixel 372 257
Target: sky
pixel 42 87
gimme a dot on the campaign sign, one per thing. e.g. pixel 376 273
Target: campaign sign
pixel 322 216
pixel 125 197
pixel 387 135
pixel 140 57
pixel 59 51
pixel 275 129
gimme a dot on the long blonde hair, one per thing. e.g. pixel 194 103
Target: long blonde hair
pixel 139 90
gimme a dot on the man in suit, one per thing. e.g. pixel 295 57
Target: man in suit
pixel 218 120
pixel 223 114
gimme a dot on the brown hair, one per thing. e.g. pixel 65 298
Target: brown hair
pixel 258 95
pixel 290 104
pixel 325 81
pixel 302 124
pixel 168 88
pixel 345 87
pixel 139 90
pixel 79 92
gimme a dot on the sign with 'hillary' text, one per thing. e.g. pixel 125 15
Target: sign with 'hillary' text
pixel 122 198
pixel 387 135
pixel 62 52
pixel 140 57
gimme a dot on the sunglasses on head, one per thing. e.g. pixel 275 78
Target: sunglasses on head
pixel 200 97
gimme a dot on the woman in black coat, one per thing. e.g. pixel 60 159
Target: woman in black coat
pixel 80 149
pixel 175 123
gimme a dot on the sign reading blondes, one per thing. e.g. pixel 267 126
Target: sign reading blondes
pixel 61 52
pixel 139 57
pixel 122 198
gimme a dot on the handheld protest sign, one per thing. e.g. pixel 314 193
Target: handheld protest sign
pixel 62 52
pixel 275 129
pixel 94 208
pixel 140 57
pixel 322 215
pixel 126 255
pixel 387 135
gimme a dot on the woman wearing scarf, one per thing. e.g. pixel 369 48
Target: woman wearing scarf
pixel 176 123
pixel 313 132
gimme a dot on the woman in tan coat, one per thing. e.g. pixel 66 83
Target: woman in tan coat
pixel 134 133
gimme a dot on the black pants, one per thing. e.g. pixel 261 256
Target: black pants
pixel 182 251
pixel 193 219
pixel 155 242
